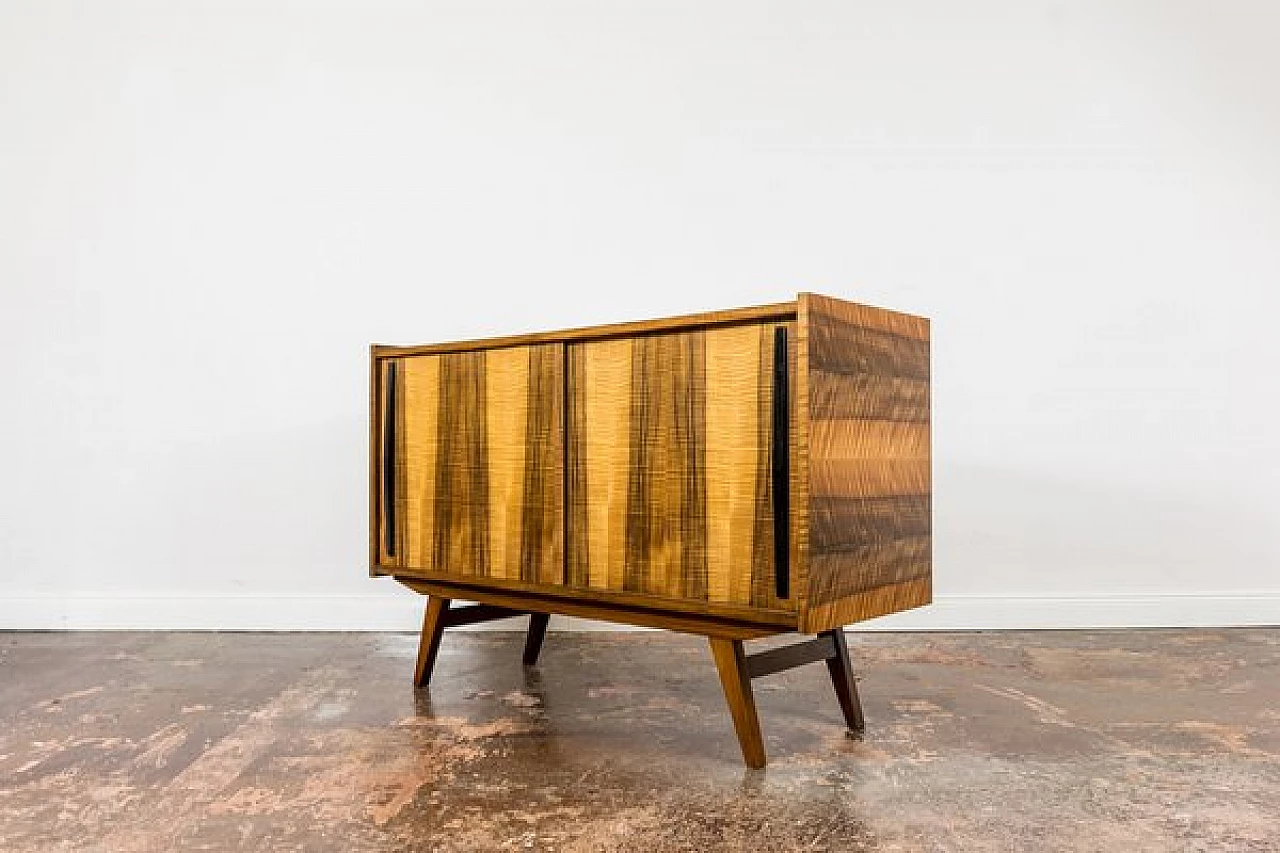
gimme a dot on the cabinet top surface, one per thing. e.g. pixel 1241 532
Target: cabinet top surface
pixel 753 314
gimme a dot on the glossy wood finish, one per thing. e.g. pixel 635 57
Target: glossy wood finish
pixel 630 473
pixel 868 521
pixel 479 456
pixel 610 599
pixel 429 642
pixel 668 455
pixel 732 666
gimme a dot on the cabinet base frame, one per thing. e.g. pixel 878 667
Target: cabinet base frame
pixel 735 666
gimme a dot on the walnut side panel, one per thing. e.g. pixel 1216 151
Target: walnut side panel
pixel 869 476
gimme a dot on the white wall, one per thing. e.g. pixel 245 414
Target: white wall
pixel 210 209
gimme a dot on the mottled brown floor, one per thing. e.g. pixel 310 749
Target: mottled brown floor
pixel 1130 741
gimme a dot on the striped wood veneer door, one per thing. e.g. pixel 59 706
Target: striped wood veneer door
pixel 479 454
pixel 668 455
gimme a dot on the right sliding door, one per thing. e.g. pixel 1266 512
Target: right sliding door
pixel 678 477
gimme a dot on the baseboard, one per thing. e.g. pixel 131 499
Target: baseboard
pixel 1031 612
pixel 402 611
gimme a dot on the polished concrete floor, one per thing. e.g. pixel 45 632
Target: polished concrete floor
pixel 1128 741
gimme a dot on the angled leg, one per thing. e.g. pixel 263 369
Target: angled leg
pixel 533 640
pixel 433 623
pixel 734 678
pixel 842 679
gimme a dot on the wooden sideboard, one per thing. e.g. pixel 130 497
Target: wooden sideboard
pixel 734 474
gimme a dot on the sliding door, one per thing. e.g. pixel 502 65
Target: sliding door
pixel 678 471
pixel 471 464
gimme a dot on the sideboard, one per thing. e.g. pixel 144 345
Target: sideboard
pixel 734 474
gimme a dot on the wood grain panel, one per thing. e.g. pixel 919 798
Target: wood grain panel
pixel 855 438
pixel 877 563
pixel 671 473
pixel 837 347
pixel 839 524
pixel 859 316
pixel 479 463
pixel 576 498
pixel 666 537
pixel 600 404
pixel 506 394
pixel 868 604
pixel 869 503
pixel 542 501
pixel 867 396
pixel 854 478
pixel 734 358
pixel 416 457
pixel 460 499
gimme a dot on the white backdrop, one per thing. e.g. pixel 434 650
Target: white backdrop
pixel 210 209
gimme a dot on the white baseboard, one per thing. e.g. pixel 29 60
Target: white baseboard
pixel 402 611
pixel 1030 612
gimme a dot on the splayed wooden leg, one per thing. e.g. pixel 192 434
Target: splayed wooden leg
pixel 433 624
pixel 841 671
pixel 533 640
pixel 734 678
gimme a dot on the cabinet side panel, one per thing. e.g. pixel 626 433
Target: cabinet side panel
pixel 870 537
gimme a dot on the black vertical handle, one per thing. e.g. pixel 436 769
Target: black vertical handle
pixel 389 461
pixel 780 456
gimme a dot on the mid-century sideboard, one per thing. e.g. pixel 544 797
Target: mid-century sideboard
pixel 735 474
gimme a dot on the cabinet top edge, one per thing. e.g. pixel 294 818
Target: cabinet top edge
pixel 778 311
pixel 806 300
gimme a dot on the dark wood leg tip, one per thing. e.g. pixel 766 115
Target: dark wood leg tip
pixel 533 640
pixel 840 669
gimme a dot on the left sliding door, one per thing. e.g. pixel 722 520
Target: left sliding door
pixel 470 458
